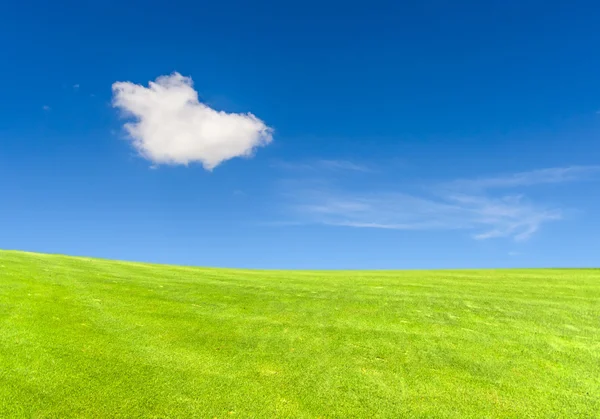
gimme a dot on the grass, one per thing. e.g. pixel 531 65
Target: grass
pixel 91 338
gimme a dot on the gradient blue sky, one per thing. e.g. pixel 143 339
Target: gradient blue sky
pixel 425 134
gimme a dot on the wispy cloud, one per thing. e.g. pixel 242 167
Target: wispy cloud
pixel 530 178
pixel 343 165
pixel 510 216
pixel 239 192
pixel 470 205
pixel 46 108
pixel 323 165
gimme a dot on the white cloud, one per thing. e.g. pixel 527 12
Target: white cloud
pixel 46 107
pixel 172 127
pixel 472 205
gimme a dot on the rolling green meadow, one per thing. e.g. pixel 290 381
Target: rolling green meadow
pixel 92 338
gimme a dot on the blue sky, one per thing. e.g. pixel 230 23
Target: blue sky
pixel 384 135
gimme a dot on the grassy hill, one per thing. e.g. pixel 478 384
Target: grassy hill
pixel 84 337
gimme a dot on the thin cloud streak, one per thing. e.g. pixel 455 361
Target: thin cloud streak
pixel 511 216
pixel 530 178
pixel 469 205
pixel 323 165
pixel 343 165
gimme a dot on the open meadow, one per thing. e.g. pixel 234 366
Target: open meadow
pixel 82 337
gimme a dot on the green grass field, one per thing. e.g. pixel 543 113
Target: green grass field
pixel 91 338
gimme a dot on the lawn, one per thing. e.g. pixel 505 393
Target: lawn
pixel 93 338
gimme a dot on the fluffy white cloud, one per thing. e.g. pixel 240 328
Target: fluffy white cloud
pixel 171 126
